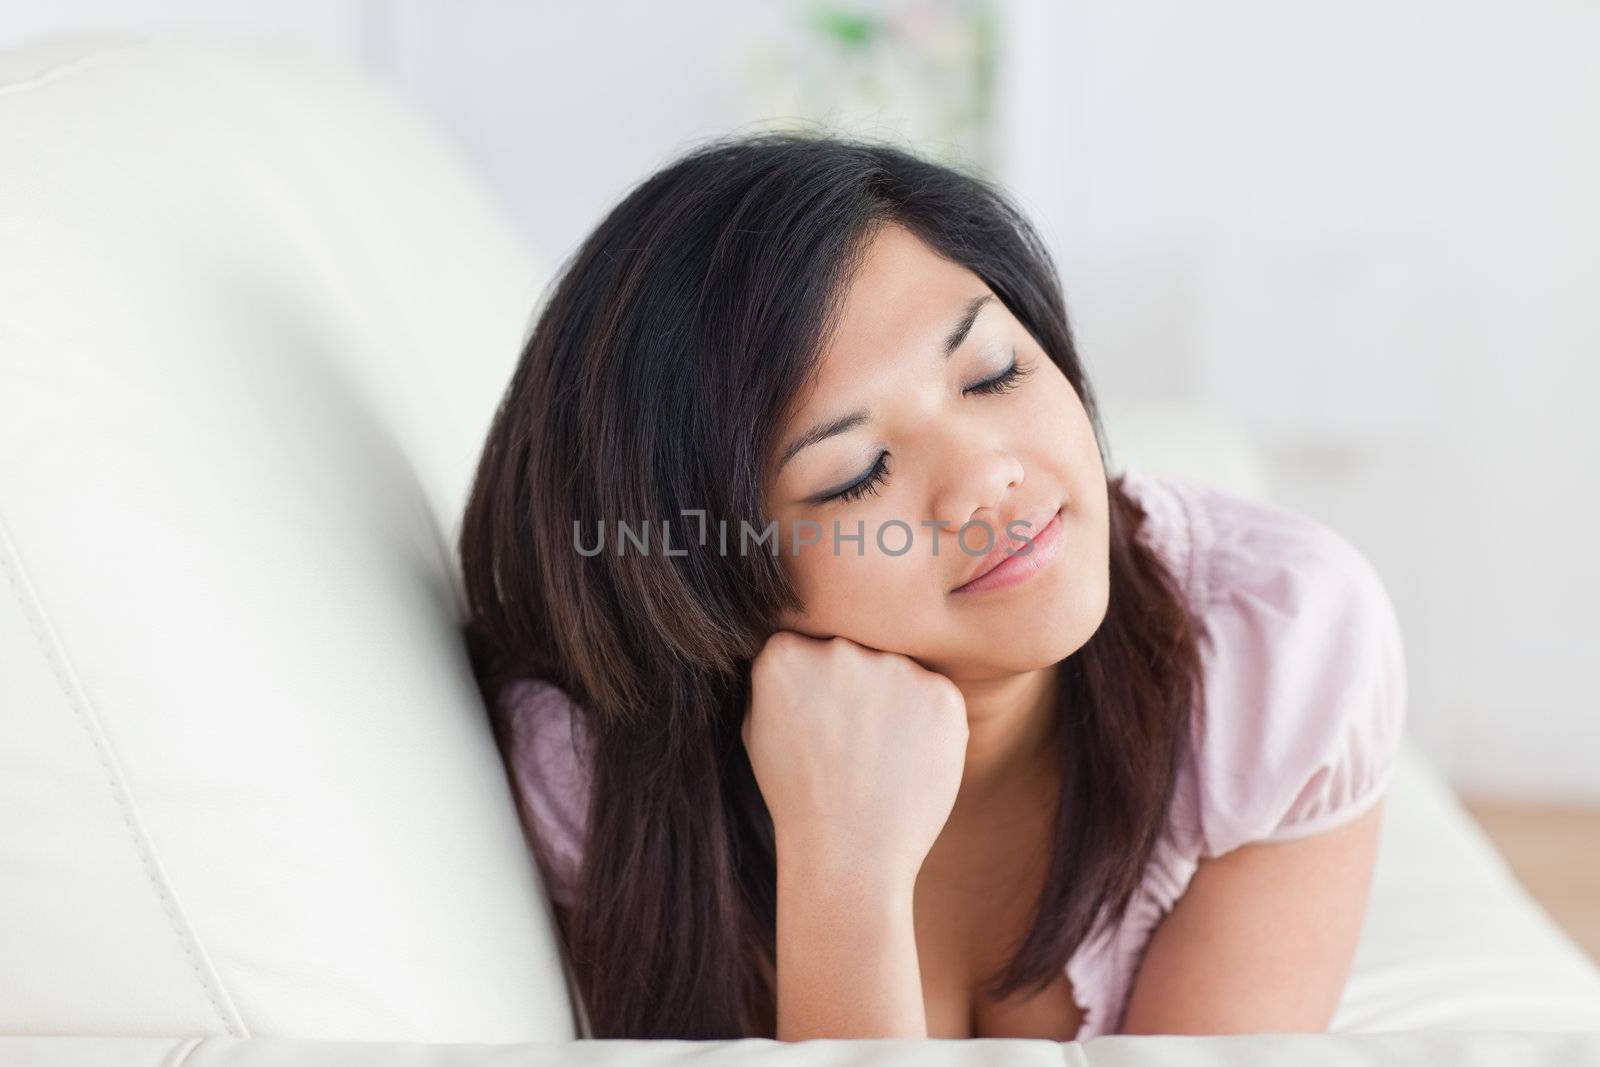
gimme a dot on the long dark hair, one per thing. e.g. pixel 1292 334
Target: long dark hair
pixel 652 385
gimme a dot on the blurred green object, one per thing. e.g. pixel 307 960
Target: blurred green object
pixel 847 27
pixel 917 72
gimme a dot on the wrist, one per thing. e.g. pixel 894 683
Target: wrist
pixel 823 867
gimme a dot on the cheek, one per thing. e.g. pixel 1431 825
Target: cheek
pixel 1060 418
pixel 850 594
pixel 1059 402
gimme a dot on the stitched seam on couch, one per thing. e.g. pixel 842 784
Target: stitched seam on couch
pixel 50 647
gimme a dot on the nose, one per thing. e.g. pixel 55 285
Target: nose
pixel 978 487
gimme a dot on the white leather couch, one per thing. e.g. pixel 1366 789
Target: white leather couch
pixel 254 316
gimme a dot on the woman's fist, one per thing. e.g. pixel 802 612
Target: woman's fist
pixel 858 752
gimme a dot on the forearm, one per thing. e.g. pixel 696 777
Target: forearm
pixel 847 953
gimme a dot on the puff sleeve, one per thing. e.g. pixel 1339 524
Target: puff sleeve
pixel 549 760
pixel 1305 678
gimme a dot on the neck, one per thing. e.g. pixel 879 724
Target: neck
pixel 1010 737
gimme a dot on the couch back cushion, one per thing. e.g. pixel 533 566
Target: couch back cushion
pixel 255 315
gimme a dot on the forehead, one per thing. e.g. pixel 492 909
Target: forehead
pixel 898 304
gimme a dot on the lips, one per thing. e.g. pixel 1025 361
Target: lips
pixel 1005 547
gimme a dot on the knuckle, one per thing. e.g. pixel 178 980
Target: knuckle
pixel 777 644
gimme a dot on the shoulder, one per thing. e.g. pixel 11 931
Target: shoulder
pixel 549 759
pixel 1169 528
pixel 1305 683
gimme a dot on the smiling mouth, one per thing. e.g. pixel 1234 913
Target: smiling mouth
pixel 1021 564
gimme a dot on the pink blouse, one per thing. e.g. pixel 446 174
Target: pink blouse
pixel 1304 682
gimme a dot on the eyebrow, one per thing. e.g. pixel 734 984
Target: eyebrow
pixel 834 427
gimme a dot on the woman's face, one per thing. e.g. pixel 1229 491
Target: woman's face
pixel 951 455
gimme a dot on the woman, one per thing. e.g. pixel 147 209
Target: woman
pixel 1115 767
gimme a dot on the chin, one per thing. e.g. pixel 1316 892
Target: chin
pixel 1037 640
pixel 1058 621
pixel 1051 647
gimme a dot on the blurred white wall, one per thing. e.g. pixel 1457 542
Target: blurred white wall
pixel 337 28
pixel 1367 230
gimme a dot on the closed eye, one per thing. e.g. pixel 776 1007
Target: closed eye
pixel 867 484
pixel 870 482
pixel 1006 380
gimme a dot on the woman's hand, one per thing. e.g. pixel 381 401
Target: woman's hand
pixel 858 753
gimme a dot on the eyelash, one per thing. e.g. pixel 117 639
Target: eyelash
pixel 1005 381
pixel 1008 379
